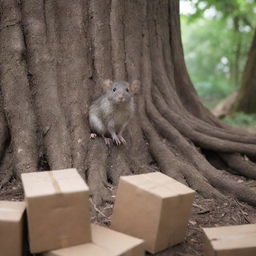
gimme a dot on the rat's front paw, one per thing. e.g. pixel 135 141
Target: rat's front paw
pixel 116 139
pixel 121 138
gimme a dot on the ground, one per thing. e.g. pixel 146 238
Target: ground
pixel 205 213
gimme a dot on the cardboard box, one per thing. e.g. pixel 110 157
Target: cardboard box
pixel 116 242
pixel 231 240
pixel 105 242
pixel 57 209
pixel 153 207
pixel 11 228
pixel 88 249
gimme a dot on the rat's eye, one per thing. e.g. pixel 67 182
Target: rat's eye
pixel 114 89
pixel 127 89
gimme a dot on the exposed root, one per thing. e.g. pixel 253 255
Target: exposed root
pixel 167 161
pixel 6 168
pixel 226 133
pixel 224 183
pixel 6 179
pixel 175 117
pixel 186 151
pixel 205 141
pixel 242 165
pixel 158 149
pixel 208 171
pixel 161 54
pixel 70 47
pixel 95 210
pixel 118 165
pixel 97 173
pixel 4 134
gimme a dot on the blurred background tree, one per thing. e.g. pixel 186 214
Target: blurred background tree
pixel 246 99
pixel 217 37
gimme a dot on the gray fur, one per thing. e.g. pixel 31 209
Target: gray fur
pixel 110 114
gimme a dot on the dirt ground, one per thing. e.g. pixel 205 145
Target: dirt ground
pixel 205 213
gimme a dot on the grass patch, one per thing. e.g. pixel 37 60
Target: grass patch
pixel 241 120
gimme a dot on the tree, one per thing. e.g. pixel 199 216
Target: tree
pixel 53 57
pixel 217 36
pixel 246 94
pixel 244 99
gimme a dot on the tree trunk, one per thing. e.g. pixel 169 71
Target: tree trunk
pixel 235 66
pixel 246 96
pixel 54 55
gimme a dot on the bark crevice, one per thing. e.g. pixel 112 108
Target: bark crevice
pixel 54 57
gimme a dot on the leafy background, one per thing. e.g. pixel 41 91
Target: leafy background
pixel 216 37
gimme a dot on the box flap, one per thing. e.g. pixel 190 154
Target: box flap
pixel 52 182
pixel 231 237
pixel 158 184
pixel 11 211
pixel 89 249
pixel 117 242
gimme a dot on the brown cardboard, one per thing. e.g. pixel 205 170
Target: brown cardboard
pixel 11 228
pixel 231 240
pixel 116 242
pixel 88 249
pixel 105 242
pixel 153 207
pixel 57 209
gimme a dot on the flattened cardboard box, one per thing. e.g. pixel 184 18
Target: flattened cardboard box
pixel 106 242
pixel 88 249
pixel 153 207
pixel 231 240
pixel 11 228
pixel 57 209
pixel 118 243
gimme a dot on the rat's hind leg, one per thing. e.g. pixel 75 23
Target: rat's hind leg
pixel 108 141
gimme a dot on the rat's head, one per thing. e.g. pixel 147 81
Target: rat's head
pixel 120 92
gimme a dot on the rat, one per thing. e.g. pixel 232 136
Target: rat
pixel 110 114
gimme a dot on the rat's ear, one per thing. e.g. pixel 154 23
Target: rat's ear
pixel 107 85
pixel 135 86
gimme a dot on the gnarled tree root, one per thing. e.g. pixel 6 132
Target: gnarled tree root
pixel 54 55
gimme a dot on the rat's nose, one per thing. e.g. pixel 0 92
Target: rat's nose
pixel 121 98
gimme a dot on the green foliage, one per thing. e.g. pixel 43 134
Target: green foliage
pixel 216 37
pixel 216 51
pixel 241 120
pixel 244 9
pixel 219 90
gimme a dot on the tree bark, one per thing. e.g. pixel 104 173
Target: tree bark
pixel 246 95
pixel 235 67
pixel 54 56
